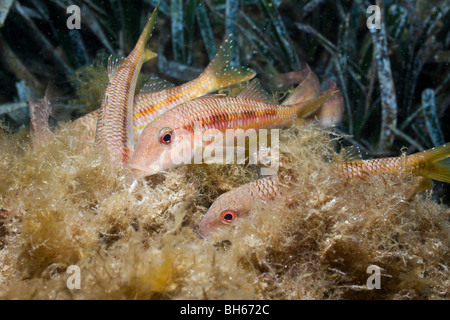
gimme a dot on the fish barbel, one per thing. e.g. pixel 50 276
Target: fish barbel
pixel 115 119
pixel 155 99
pixel 430 164
pixel 173 132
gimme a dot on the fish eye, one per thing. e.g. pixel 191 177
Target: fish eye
pixel 166 136
pixel 228 216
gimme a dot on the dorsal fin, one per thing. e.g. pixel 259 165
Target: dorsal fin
pixel 155 84
pixel 254 91
pixel 220 70
pixel 351 153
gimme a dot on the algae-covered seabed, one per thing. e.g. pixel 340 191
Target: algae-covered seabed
pixel 61 205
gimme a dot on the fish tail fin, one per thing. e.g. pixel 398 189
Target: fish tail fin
pixel 146 34
pixel 308 107
pixel 309 88
pixel 219 71
pixel 437 163
pixel 331 112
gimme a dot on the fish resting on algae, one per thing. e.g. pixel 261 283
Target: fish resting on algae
pixel 239 202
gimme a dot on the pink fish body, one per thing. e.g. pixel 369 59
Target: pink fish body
pixel 238 203
pixel 173 133
pixel 115 120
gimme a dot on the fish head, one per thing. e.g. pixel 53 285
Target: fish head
pixel 161 146
pixel 225 211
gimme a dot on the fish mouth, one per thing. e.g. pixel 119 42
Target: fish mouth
pixel 202 230
pixel 143 171
pixel 203 234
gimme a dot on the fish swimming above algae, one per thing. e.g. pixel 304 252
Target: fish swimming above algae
pixel 155 98
pixel 172 138
pixel 239 202
pixel 115 120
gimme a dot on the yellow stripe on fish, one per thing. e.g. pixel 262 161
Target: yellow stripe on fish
pixel 154 99
pixel 218 74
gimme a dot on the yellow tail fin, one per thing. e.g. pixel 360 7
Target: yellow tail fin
pixel 331 112
pixel 306 108
pixel 308 89
pixel 146 34
pixel 220 70
pixel 437 162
